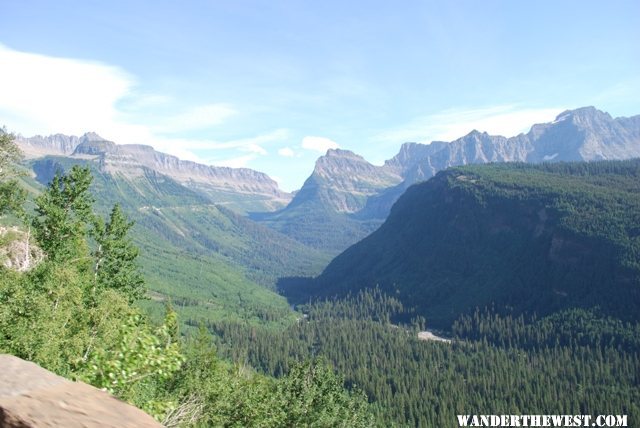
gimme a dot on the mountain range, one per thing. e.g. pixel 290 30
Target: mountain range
pixel 346 197
pixel 209 260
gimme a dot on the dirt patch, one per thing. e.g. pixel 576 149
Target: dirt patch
pixel 428 335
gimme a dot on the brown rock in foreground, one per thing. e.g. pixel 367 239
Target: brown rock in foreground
pixel 31 396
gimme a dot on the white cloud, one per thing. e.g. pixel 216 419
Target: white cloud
pixel 254 148
pixel 137 102
pixel 455 123
pixel 237 162
pixel 47 95
pixel 41 94
pixel 286 152
pixel 318 144
pixel 199 117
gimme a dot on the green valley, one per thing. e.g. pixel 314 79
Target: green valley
pixel 209 261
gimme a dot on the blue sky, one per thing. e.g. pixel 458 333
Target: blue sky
pixel 270 85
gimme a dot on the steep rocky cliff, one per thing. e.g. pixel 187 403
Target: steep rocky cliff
pixel 342 181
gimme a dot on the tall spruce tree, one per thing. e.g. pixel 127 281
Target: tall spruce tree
pixel 63 215
pixel 115 256
pixel 11 195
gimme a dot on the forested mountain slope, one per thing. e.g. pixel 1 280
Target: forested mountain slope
pixel 521 237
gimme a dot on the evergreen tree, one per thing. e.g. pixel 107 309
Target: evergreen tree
pixel 11 195
pixel 115 257
pixel 64 212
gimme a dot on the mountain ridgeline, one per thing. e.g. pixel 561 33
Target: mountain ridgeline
pixel 345 198
pixel 241 189
pixel 521 238
pixel 321 213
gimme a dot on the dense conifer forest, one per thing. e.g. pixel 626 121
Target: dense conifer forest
pixel 572 362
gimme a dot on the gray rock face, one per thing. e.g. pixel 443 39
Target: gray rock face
pixel 584 134
pixel 31 396
pixel 56 145
pixel 124 158
pixel 18 249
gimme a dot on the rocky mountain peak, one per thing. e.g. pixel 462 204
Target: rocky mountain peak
pixel 584 114
pixel 92 136
pixel 337 160
pixel 342 153
pixel 94 145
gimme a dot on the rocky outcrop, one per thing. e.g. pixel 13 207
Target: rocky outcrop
pixel 31 397
pixel 18 249
pixel 55 145
pixel 342 181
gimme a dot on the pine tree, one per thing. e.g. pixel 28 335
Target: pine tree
pixel 115 257
pixel 11 195
pixel 63 213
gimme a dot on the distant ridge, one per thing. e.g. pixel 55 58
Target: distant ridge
pixel 241 189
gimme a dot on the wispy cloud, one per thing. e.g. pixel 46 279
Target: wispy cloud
pixel 45 95
pixel 236 162
pixel 196 118
pixel 507 120
pixel 42 94
pixel 318 144
pixel 286 152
